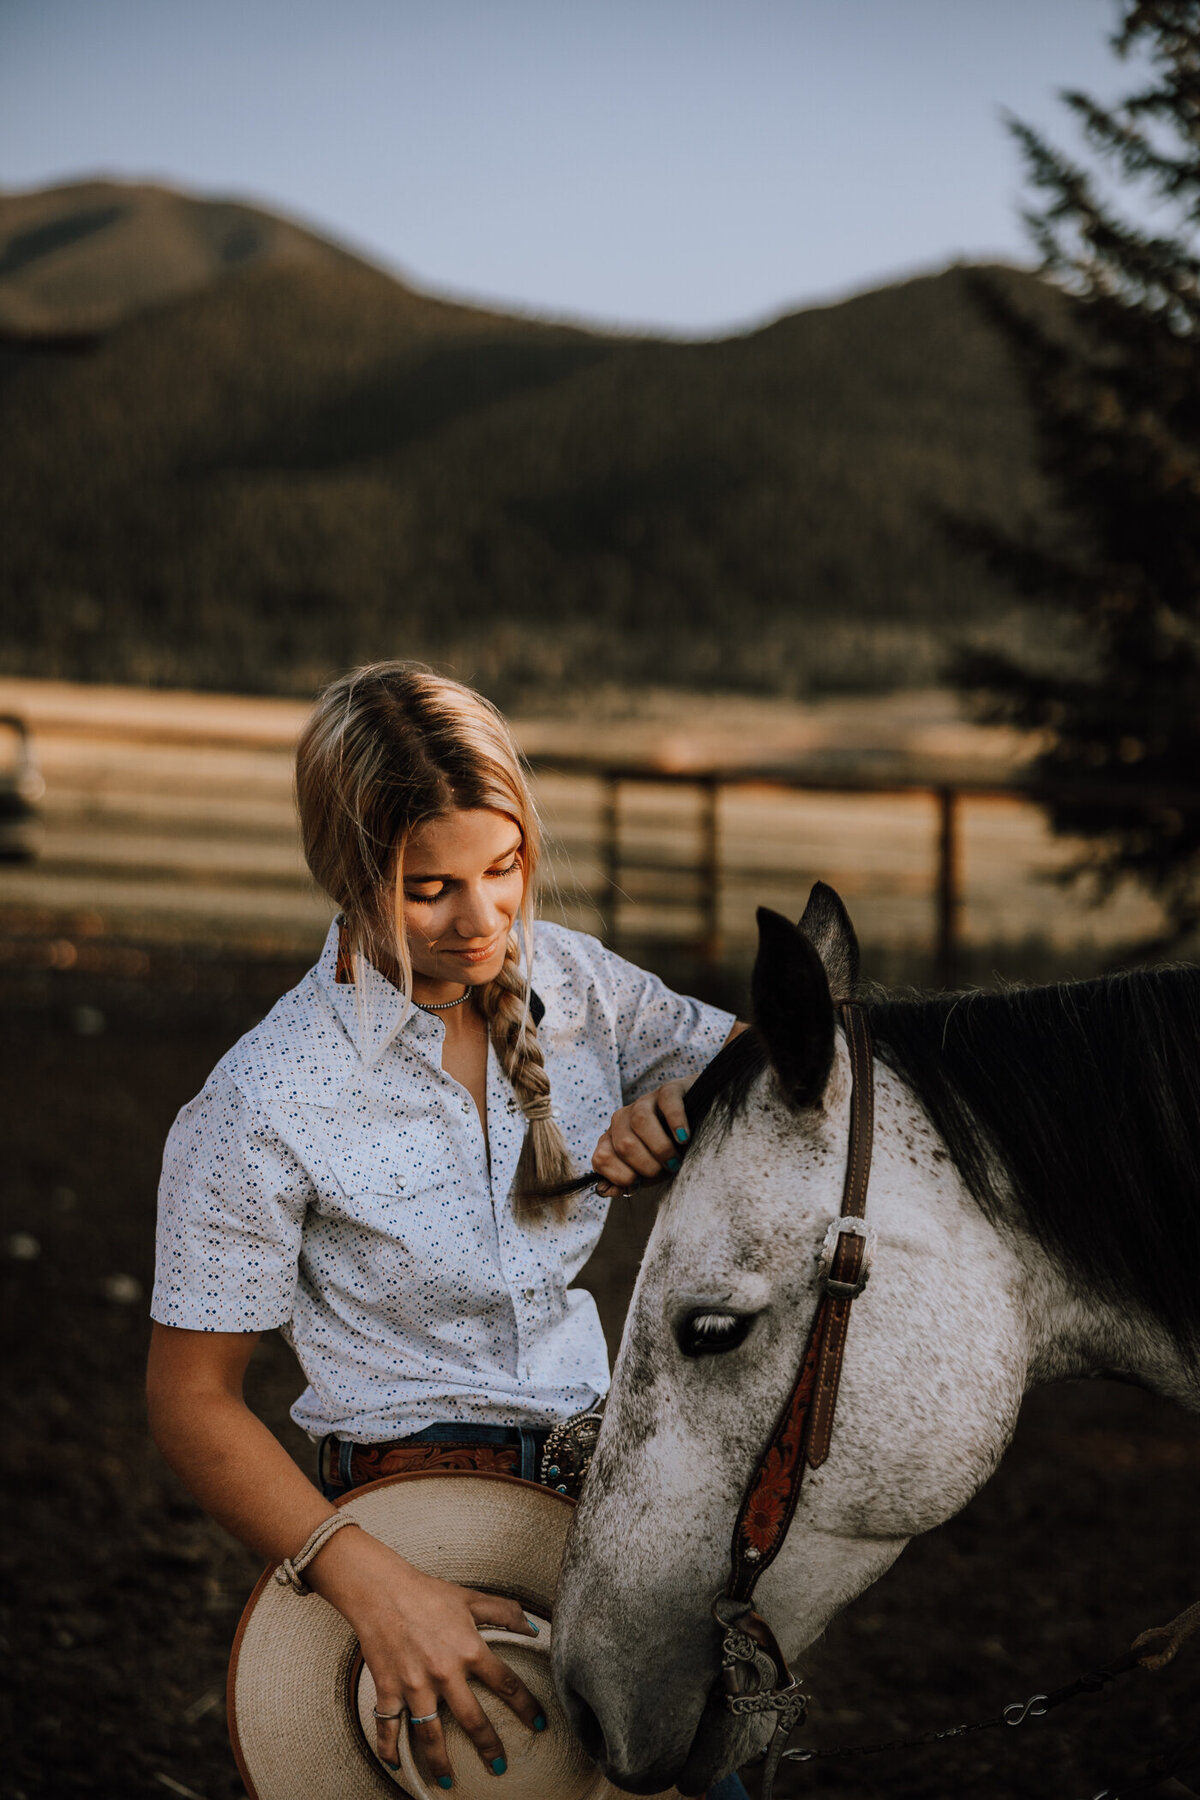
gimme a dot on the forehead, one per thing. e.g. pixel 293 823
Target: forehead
pixel 759 1183
pixel 458 842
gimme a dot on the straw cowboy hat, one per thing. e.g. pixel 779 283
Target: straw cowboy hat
pixel 300 1696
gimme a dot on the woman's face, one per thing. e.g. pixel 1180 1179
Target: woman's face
pixel 458 894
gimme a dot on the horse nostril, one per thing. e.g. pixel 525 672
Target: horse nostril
pixel 585 1724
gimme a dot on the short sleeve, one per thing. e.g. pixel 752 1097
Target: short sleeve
pixel 231 1209
pixel 661 1035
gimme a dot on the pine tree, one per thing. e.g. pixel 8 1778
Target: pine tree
pixel 1115 390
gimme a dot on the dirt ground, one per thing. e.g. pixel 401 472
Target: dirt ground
pixel 119 1600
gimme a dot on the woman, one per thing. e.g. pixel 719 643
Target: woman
pixel 366 1169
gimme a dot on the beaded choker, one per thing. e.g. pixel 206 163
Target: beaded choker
pixel 442 1005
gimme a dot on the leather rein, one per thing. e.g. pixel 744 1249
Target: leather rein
pixel 754 1674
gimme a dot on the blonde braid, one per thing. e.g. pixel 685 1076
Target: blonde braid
pixel 545 1160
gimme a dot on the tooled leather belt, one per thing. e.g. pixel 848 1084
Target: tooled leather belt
pixel 558 1458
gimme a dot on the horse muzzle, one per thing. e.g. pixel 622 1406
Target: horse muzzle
pixel 649 1731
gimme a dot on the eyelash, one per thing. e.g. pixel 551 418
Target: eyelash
pixel 495 874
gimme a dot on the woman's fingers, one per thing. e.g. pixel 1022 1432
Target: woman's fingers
pixel 645 1139
pixel 494 1609
pixel 429 1738
pixel 478 1727
pixel 617 1173
pixel 387 1731
pixel 508 1686
pixel 673 1112
pixel 477 1663
pixel 639 1139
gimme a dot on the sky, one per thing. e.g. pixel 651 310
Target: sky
pixel 687 166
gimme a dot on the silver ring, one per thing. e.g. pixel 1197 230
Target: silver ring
pixel 421 1718
pixel 379 1715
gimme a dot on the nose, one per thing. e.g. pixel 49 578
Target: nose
pixel 649 1770
pixel 478 917
pixel 585 1724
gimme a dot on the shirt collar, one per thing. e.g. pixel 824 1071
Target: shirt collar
pixel 373 1016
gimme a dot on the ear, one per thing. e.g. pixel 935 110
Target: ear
pixel 792 1008
pixel 826 925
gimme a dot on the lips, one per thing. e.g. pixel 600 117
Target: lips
pixel 474 956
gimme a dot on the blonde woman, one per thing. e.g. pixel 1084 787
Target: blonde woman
pixel 365 1171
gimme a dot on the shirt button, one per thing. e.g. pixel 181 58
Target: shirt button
pixel 529 1293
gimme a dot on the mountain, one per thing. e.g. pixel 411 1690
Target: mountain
pixel 82 258
pixel 236 456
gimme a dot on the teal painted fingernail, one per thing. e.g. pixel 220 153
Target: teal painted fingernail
pixel 446 1781
pixel 681 1134
pixel 539 1724
pixel 673 1164
pixel 499 1766
pixel 532 1624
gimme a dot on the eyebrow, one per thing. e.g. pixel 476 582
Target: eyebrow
pixel 503 857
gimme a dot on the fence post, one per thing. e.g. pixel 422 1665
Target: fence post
pixel 710 870
pixel 610 854
pixel 949 888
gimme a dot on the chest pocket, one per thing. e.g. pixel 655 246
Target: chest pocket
pixel 370 1161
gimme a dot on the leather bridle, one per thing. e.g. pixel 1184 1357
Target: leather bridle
pixel 755 1676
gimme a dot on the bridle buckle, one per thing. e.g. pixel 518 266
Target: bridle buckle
pixel 845 1226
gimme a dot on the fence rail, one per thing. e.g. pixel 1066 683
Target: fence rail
pixel 711 785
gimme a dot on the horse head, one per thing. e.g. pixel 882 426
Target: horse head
pixel 937 1359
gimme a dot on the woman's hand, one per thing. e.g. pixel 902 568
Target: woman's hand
pixel 645 1140
pixel 419 1636
pixel 420 1639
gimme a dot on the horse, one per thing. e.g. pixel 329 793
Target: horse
pixel 1033 1201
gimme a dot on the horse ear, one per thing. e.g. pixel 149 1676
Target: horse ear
pixel 826 925
pixel 793 1010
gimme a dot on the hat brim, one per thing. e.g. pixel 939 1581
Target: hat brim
pixel 293 1719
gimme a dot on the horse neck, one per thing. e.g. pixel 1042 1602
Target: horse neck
pixel 1074 1332
pixel 1057 1326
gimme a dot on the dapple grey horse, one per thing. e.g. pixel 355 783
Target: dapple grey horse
pixel 1035 1165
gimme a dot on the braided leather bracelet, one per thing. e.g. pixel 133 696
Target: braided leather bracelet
pixel 292 1567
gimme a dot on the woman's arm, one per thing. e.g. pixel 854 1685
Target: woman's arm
pixel 419 1636
pixel 645 1139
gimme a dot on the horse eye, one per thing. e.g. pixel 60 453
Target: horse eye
pixel 712 1333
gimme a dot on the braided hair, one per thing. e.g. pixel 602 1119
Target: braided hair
pixel 386 749
pixel 545 1161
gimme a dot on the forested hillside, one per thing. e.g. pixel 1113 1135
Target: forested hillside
pixel 290 461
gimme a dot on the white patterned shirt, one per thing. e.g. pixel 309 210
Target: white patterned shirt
pixel 333 1181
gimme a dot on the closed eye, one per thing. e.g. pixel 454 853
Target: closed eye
pixel 511 868
pixel 712 1333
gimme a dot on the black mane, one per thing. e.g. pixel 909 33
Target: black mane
pixel 1083 1098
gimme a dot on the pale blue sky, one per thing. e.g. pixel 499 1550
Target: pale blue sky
pixel 691 165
